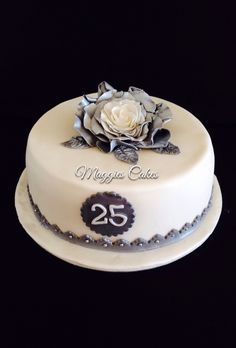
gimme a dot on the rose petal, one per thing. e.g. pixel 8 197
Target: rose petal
pixel 108 131
pixel 90 99
pixel 150 116
pixel 107 95
pixel 87 121
pixel 102 137
pixel 128 95
pixel 80 111
pixel 164 112
pixel 157 122
pixel 104 87
pixel 154 126
pixel 87 135
pixel 88 115
pixel 143 97
pixel 160 140
pixel 119 94
pixel 139 133
pixel 97 113
pixel 103 146
pixel 113 144
pixel 161 137
pixel 90 109
pixel 96 128
pixel 145 130
pixel 84 102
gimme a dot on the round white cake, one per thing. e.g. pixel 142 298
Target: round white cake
pixel 90 197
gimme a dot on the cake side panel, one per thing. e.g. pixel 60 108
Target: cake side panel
pixel 180 193
pixel 158 208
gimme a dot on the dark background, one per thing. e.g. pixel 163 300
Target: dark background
pixel 180 52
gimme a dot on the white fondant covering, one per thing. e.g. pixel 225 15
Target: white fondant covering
pixel 181 191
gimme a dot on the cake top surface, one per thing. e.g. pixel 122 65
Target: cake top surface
pixel 89 164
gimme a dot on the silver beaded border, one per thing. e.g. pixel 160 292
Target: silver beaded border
pixel 105 243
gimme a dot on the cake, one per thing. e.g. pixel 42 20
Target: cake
pixel 119 171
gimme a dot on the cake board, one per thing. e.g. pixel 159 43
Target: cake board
pixel 107 260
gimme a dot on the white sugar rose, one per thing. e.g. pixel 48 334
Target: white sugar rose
pixel 117 118
pixel 122 122
pixel 125 119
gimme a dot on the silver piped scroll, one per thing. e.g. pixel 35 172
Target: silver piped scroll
pixel 106 243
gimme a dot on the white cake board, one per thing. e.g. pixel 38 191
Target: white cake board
pixel 110 260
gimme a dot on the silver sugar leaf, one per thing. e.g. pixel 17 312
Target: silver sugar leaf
pixel 76 143
pixel 170 149
pixel 126 154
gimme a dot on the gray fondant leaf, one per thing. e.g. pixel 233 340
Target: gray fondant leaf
pixel 170 149
pixel 76 142
pixel 126 154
